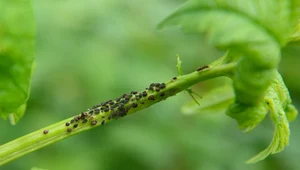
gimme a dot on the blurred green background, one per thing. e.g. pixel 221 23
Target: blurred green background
pixel 94 50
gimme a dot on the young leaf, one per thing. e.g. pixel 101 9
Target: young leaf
pixel 278 101
pixel 215 101
pixel 17 41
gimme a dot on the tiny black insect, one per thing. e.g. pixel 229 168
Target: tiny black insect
pixel 144 94
pixel 134 105
pixel 75 126
pixel 151 97
pixel 162 85
pixel 162 94
pixel 102 123
pixel 157 89
pixel 202 68
pixel 72 121
pixel 69 130
pixel 45 131
pixel 174 78
pixel 84 120
pixel 97 111
pixel 67 124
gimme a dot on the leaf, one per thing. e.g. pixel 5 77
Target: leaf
pixel 295 38
pixel 17 43
pixel 253 29
pixel 281 111
pixel 215 101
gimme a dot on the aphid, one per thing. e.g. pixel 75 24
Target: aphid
pixel 84 120
pixel 174 78
pixel 97 111
pixel 103 117
pixel 102 123
pixel 140 95
pixel 157 85
pixel 75 126
pixel 144 93
pixel 134 105
pixel 151 97
pixel 91 112
pixel 134 92
pixel 69 130
pixel 162 85
pixel 94 122
pixel 83 115
pixel 76 118
pixel 142 103
pixel 202 68
pixel 157 89
pixel 162 94
pixel 152 85
pixel 67 124
pixel 106 109
pixel 45 131
pixel 72 121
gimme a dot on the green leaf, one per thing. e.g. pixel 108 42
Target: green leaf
pixel 215 101
pixel 249 28
pixel 281 111
pixel 17 45
pixel 295 38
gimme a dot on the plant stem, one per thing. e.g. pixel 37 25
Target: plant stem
pixel 58 131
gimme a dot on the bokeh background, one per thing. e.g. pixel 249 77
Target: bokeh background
pixel 94 50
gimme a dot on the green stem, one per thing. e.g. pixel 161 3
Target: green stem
pixel 58 131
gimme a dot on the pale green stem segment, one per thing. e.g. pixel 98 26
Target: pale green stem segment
pixel 58 131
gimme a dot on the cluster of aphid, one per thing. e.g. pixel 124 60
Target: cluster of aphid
pixel 117 108
pixel 120 106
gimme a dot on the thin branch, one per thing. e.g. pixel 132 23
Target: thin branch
pixel 58 131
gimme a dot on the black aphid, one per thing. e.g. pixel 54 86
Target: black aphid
pixel 103 116
pixel 151 97
pixel 76 118
pixel 94 122
pixel 162 94
pixel 45 131
pixel 67 124
pixel 97 111
pixel 102 123
pixel 106 109
pixel 140 95
pixel 75 126
pixel 69 130
pixel 157 89
pixel 202 68
pixel 174 78
pixel 72 121
pixel 134 105
pixel 91 112
pixel 144 94
pixel 84 120
pixel 83 115
pixel 162 85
